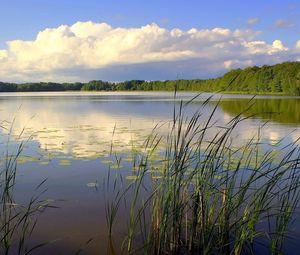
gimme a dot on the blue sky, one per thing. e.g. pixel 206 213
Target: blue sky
pixel 274 20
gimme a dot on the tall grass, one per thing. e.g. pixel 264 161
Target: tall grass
pixel 17 221
pixel 209 196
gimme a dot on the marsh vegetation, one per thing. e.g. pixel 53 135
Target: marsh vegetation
pixel 207 196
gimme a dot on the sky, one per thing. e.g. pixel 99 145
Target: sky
pixel 72 40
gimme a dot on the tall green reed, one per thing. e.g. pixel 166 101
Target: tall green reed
pixel 17 221
pixel 210 196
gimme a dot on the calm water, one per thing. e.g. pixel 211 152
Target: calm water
pixel 68 141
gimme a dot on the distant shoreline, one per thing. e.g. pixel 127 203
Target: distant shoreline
pixel 130 92
pixel 280 79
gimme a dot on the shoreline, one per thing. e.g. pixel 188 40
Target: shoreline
pixel 95 92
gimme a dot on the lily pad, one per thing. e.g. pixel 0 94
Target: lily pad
pixel 44 163
pixel 64 162
pixel 92 185
pixel 116 166
pixel 132 177
pixel 157 177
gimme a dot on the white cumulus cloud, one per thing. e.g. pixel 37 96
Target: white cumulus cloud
pixel 88 50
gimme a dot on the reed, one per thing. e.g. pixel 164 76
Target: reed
pixel 210 196
pixel 17 221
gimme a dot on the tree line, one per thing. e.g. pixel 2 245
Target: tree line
pixel 281 78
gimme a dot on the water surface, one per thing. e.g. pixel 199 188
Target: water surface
pixel 68 139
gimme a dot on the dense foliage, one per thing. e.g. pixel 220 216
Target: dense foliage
pixel 281 78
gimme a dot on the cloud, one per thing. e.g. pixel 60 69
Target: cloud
pixel 88 50
pixel 3 54
pixel 278 45
pixel 252 21
pixel 281 23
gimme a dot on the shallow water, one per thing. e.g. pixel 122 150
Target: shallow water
pixel 68 140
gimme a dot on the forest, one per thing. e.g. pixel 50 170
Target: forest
pixel 281 78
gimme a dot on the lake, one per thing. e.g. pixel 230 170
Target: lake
pixel 73 138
